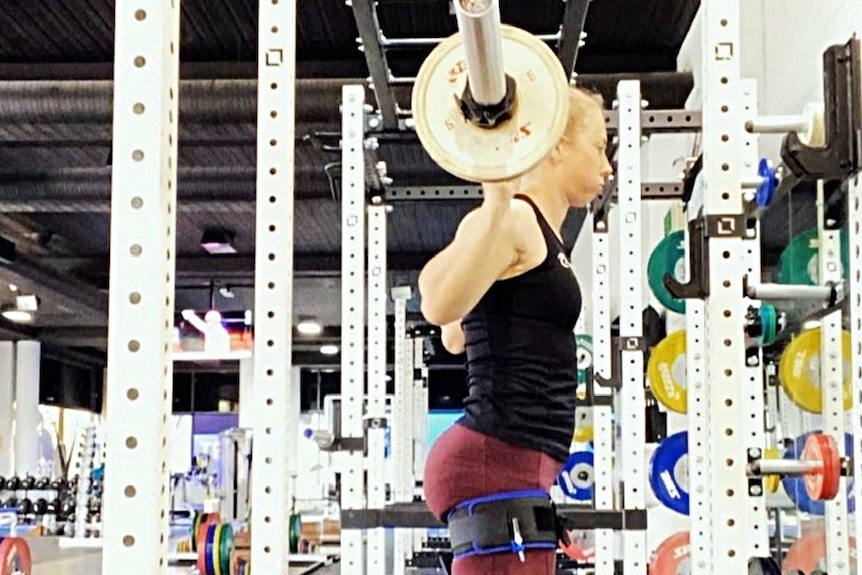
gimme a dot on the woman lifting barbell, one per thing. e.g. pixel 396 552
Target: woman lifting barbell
pixel 507 275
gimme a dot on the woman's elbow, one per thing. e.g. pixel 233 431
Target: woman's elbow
pixel 433 314
pixel 453 340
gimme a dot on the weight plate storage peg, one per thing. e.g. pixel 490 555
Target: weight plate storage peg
pixel 672 556
pixel 577 478
pixel 668 473
pixel 15 556
pixel 478 153
pixel 799 370
pixel 803 490
pixel 666 372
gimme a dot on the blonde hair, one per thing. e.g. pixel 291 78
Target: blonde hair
pixel 581 102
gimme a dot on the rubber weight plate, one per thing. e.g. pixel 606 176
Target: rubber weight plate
pixel 798 262
pixel 822 448
pixel 799 370
pixel 796 488
pixel 225 546
pixel 15 556
pixel 295 532
pixel 808 554
pixel 668 473
pixel 584 347
pixel 577 477
pixel 666 372
pixel 667 257
pixel 771 482
pixel 671 557
pixel 583 424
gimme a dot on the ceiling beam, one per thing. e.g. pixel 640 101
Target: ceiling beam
pixel 405 62
pixel 234 101
pixel 237 267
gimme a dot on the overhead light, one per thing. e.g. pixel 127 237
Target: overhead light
pixel 226 292
pixel 217 241
pixel 17 315
pixel 23 310
pixel 309 327
pixel 810 324
pixel 329 349
pixel 13 287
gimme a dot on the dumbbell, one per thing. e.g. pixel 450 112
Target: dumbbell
pixel 13 483
pixel 67 508
pixel 54 506
pixel 40 506
pixel 2 483
pixel 59 484
pixel 25 507
pixel 28 482
pixel 42 483
pixel 11 503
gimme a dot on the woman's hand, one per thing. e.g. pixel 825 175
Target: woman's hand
pixel 499 194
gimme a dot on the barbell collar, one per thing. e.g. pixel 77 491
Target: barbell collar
pixel 479 24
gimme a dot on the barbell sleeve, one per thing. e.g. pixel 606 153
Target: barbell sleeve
pixel 787 467
pixel 479 24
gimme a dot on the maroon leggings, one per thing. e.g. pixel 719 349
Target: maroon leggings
pixel 463 464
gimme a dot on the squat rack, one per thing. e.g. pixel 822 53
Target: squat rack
pixel 143 213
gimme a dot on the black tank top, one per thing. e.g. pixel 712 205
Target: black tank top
pixel 521 364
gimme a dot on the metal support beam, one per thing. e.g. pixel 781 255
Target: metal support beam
pixel 572 33
pixel 370 38
pixel 55 290
pixel 237 267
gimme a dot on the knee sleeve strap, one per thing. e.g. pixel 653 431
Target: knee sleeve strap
pixel 504 522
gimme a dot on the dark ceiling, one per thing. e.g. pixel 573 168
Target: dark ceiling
pixel 55 135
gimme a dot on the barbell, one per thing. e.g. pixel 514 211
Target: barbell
pixel 491 101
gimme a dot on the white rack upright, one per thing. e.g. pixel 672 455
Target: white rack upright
pixel 375 421
pixel 631 342
pixel 141 298
pixel 352 315
pixel 727 520
pixel 755 402
pixel 854 283
pixel 603 429
pixel 832 387
pixel 273 281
